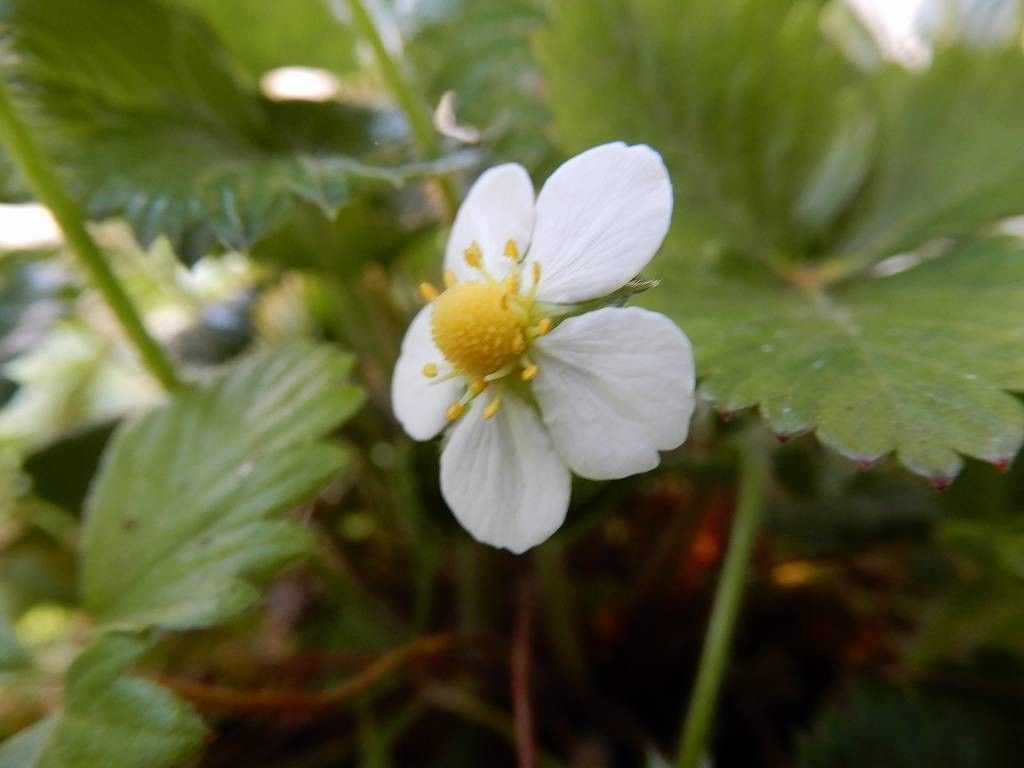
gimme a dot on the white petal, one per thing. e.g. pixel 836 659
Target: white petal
pixel 502 478
pixel 498 208
pixel 615 386
pixel 420 403
pixel 600 218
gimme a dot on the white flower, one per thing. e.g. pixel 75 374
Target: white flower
pixel 533 390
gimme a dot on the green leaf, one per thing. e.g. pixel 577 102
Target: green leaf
pixel 149 117
pixel 949 155
pixel 749 104
pixel 109 721
pixel 780 152
pixel 917 363
pixel 179 519
pixel 888 728
pixel 263 35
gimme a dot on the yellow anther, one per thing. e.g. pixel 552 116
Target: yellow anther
pixel 474 256
pixel 512 283
pixel 511 250
pixel 544 326
pixel 519 343
pixel 492 408
pixel 430 370
pixel 535 271
pixel 530 373
pixel 455 410
pixel 477 387
pixel 428 292
pixel 505 298
pixel 450 279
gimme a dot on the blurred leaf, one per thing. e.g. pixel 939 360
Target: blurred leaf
pixel 265 35
pixel 888 728
pixel 979 607
pixel 775 141
pixel 151 119
pixel 108 721
pixel 983 612
pixel 997 543
pixel 949 155
pixel 974 23
pixel 13 655
pixel 179 520
pixel 480 49
pixel 37 570
pixel 849 32
pixel 867 508
pixel 916 362
pixel 12 187
pixel 362 231
pixel 62 470
pixel 749 104
pixel 33 295
pixel 71 378
pixel 222 331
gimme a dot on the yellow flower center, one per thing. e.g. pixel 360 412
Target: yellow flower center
pixel 484 329
pixel 478 328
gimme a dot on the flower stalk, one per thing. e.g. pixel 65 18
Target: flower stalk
pixel 41 178
pixel 408 100
pixel 728 597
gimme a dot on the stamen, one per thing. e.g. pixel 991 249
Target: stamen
pixel 544 326
pixel 455 410
pixel 501 373
pixel 450 279
pixel 492 408
pixel 535 271
pixel 428 292
pixel 512 283
pixel 519 344
pixel 473 254
pixel 530 372
pixel 511 250
pixel 443 377
pixel 430 370
pixel 477 387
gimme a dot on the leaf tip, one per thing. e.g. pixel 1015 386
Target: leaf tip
pixel 1002 464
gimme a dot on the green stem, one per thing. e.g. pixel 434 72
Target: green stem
pixel 753 476
pixel 42 179
pixel 410 103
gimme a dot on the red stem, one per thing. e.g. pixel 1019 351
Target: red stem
pixel 245 700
